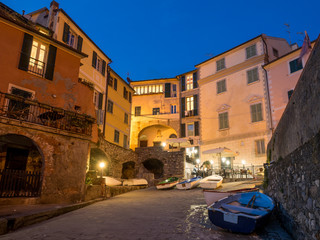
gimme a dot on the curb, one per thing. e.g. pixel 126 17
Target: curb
pixel 12 223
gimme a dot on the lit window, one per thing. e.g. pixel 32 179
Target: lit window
pixel 190 82
pixel 190 104
pixel 38 57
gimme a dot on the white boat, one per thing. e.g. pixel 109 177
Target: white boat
pixel 211 182
pixel 188 184
pixel 109 181
pixel 135 182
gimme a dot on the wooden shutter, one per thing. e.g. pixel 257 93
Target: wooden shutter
pixel 79 46
pixel 66 31
pixel 103 67
pixel 100 100
pixel 130 97
pixel 183 107
pixel 25 52
pixel 183 83
pixel 183 130
pixel 115 84
pixel 94 59
pixel 196 128
pixel 167 88
pixel 51 62
pixel 195 105
pixel 195 80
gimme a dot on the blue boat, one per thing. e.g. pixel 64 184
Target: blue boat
pixel 242 212
pixel 190 183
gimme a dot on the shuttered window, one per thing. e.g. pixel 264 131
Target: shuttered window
pixel 167 89
pixel 196 128
pixel 256 112
pixel 251 51
pixel 223 120
pixel 183 83
pixel 252 75
pixel 221 64
pixel 221 86
pixel 260 147
pixel 295 65
pixel 183 130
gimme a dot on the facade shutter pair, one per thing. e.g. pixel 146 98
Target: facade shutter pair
pixel 196 128
pixel 115 84
pixel 103 67
pixel 94 59
pixel 183 107
pixel 195 80
pixel 183 83
pixel 100 101
pixel 80 41
pixel 66 30
pixel 26 52
pixel 183 130
pixel 130 97
pixel 195 105
pixel 167 88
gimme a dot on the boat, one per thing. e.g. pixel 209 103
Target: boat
pixel 109 181
pixel 242 212
pixel 211 182
pixel 135 182
pixel 188 184
pixel 212 196
pixel 168 183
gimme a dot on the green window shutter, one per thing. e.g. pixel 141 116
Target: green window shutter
pixel 51 62
pixel 253 113
pixel 183 130
pixel 196 128
pixel 115 84
pixel 100 100
pixel 259 112
pixel 195 105
pixel 183 107
pixel 25 52
pixel 94 59
pixel 79 46
pixel 103 67
pixel 195 81
pixel 183 83
pixel 66 30
pixel 167 88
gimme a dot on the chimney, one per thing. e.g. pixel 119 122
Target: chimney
pixel 52 12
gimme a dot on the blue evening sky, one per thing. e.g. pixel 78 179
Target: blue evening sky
pixel 160 39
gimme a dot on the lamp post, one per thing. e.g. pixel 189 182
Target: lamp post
pixel 243 163
pixel 198 162
pixel 102 165
pixel 211 162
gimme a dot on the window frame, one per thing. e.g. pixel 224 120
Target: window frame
pixel 296 65
pixel 126 118
pixel 255 115
pixel 188 131
pixel 116 138
pixel 173 108
pixel 136 111
pixel 260 147
pixel 219 88
pixel 220 64
pixel 249 51
pixel 156 111
pixel 190 103
pixel 189 82
pixel 221 117
pixel 110 106
pixel 252 75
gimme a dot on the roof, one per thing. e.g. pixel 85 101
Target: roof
pixel 156 79
pixel 192 71
pixel 230 49
pixel 287 54
pixel 16 18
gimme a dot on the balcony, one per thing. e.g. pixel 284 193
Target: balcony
pixel 26 110
pixel 36 67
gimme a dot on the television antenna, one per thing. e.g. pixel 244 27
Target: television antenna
pixel 288 31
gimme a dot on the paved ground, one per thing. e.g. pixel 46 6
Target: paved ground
pixel 143 214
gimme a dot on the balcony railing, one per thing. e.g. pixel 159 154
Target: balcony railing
pixel 23 109
pixel 36 67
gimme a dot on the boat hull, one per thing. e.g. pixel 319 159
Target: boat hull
pixel 167 185
pixel 211 182
pixel 186 186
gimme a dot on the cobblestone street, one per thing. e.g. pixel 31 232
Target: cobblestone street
pixel 142 214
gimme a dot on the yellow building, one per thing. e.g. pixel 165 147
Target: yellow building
pixel 118 110
pixel 155 112
pixel 93 69
pixel 234 103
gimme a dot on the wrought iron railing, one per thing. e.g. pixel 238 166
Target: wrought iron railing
pixel 37 67
pixel 19 183
pixel 23 109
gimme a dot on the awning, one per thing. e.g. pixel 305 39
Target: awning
pixel 224 151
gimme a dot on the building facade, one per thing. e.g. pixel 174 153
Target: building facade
pixel 234 103
pixel 155 112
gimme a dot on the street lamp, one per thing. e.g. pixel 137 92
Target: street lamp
pixel 163 144
pixel 102 165
pixel 243 163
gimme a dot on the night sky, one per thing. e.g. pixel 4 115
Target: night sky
pixel 160 39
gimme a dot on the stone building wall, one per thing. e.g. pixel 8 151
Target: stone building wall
pixel 293 177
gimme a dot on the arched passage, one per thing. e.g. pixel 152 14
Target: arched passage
pixel 97 156
pixel 21 164
pixel 128 170
pixel 155 135
pixel 154 166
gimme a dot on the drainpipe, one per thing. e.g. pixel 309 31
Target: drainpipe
pixel 267 82
pixel 106 102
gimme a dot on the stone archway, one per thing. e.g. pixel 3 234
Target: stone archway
pixel 128 170
pixel 154 166
pixel 97 156
pixel 21 166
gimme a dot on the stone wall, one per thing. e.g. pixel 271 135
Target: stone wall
pixel 173 162
pixel 293 177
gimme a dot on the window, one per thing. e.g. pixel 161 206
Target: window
pixel 174 90
pixel 295 65
pixel 251 51
pixel 126 118
pixel 116 136
pixel 38 57
pixel 125 93
pixel 252 75
pixel 110 81
pixel 98 63
pixel 155 111
pixel 150 89
pixel 221 86
pixel 130 97
pixel 19 108
pixel 190 104
pixel 97 99
pixel 289 94
pixel 260 147
pixel 125 141
pixel 137 111
pixel 110 106
pixel 71 38
pixel 275 52
pixel 173 108
pixel 190 82
pixel 190 129
pixel 223 120
pixel 256 112
pixel 221 64
pixel 115 84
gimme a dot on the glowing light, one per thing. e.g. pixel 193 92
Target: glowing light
pixel 223 159
pixel 243 162
pixel 198 160
pixel 211 161
pixel 195 151
pixel 164 144
pixel 102 164
pixel 228 162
